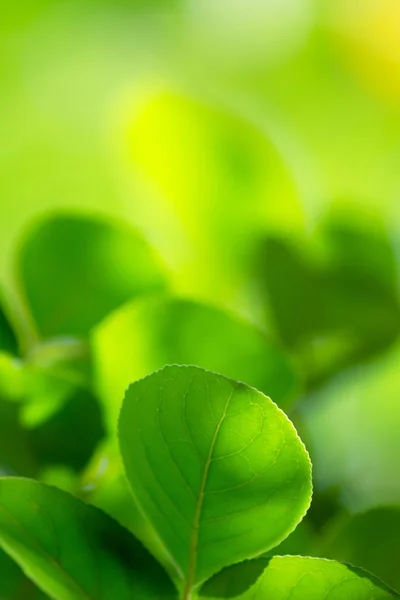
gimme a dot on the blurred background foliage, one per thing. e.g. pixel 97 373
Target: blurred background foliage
pixel 215 183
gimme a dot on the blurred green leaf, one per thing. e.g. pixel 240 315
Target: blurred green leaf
pixel 337 306
pixel 351 427
pixel 297 578
pixel 75 269
pixel 370 540
pixel 326 504
pixel 302 541
pixel 14 585
pixel 217 182
pixel 66 356
pixel 230 475
pixel 72 550
pixel 104 485
pixel 53 370
pixel 215 156
pixel 8 340
pixel 47 418
pixel 62 477
pixel 180 331
pixel 235 580
pixel 16 455
pixel 45 393
pixel 70 436
pixel 11 377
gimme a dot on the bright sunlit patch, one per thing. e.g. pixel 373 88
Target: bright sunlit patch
pixel 252 32
pixel 369 31
pixel 211 179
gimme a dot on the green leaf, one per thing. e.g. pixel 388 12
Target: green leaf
pixel 302 541
pixel 297 578
pixel 74 270
pixel 217 179
pixel 8 340
pixel 164 331
pixel 235 580
pixel 16 455
pixel 215 465
pixel 66 356
pixel 104 485
pixel 45 419
pixel 11 377
pixel 70 436
pixel 370 540
pixel 334 299
pixel 53 371
pixel 45 392
pixel 14 585
pixel 357 416
pixel 73 551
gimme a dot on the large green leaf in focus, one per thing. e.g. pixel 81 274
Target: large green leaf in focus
pixel 215 465
pixel 75 269
pixel 179 331
pixel 297 578
pixel 370 540
pixel 73 551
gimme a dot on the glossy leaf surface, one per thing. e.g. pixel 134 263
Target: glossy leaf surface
pixel 73 551
pixel 215 465
pixel 70 291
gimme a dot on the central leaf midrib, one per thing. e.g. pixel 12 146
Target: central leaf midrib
pixel 192 562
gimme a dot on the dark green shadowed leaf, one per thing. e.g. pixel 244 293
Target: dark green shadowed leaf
pixel 73 551
pixel 14 585
pixel 70 436
pixel 334 300
pixel 302 541
pixel 45 419
pixel 74 270
pixel 16 455
pixel 215 465
pixel 370 540
pixel 297 578
pixel 8 341
pixel 235 580
pixel 179 331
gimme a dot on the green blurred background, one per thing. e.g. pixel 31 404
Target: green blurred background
pixel 203 182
